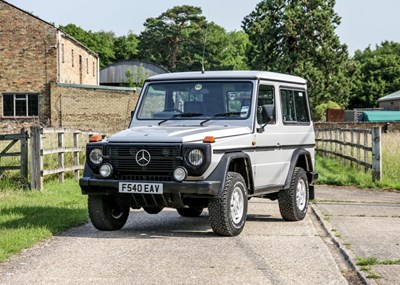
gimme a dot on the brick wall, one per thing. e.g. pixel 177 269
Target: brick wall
pixel 29 61
pixel 96 108
pixel 78 65
pixel 28 57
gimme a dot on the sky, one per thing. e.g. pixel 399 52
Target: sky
pixel 364 22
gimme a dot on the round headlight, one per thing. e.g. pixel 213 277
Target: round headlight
pixel 180 174
pixel 106 170
pixel 96 156
pixel 196 157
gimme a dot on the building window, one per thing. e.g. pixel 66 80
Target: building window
pixel 72 57
pixel 21 105
pixel 93 69
pixel 62 53
pixel 87 66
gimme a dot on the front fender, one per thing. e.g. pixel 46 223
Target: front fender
pixel 223 167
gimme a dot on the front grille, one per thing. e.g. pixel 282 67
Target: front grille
pixel 153 178
pixel 126 159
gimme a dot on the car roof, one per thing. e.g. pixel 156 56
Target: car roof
pixel 228 74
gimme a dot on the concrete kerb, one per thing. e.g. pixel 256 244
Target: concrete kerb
pixel 347 254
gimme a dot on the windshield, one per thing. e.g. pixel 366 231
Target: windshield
pixel 197 100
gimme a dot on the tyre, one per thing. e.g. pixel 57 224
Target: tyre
pixel 227 214
pixel 106 214
pixel 190 212
pixel 152 210
pixel 293 202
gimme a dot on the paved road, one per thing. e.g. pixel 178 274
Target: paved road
pixel 169 249
pixel 364 224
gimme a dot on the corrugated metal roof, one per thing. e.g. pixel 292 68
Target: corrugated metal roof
pixel 390 97
pixel 116 72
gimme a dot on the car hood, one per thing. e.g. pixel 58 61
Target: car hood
pixel 177 134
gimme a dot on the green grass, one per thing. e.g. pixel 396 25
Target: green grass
pixel 369 261
pixel 331 172
pixel 27 217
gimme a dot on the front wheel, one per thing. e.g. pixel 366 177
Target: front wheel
pixel 227 214
pixel 293 202
pixel 106 214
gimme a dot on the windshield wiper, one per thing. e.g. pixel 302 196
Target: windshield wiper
pixel 221 115
pixel 181 115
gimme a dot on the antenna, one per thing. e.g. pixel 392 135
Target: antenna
pixel 204 49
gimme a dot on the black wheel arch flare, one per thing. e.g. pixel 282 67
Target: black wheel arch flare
pixel 239 162
pixel 300 158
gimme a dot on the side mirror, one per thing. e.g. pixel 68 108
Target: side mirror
pixel 268 113
pixel 267 116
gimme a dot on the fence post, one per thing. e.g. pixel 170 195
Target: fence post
pixel 36 159
pixel 61 163
pixel 24 157
pixel 76 154
pixel 376 153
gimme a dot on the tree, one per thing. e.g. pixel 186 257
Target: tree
pixel 126 47
pixel 188 40
pixel 162 40
pixel 378 74
pixel 105 44
pixel 298 37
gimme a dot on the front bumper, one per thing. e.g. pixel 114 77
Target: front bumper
pixel 95 186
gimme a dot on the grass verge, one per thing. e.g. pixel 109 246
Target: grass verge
pixel 27 217
pixel 331 172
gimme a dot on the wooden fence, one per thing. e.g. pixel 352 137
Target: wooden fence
pixel 22 153
pixel 39 151
pixel 353 146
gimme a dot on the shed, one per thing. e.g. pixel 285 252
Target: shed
pixel 380 116
pixel 116 73
pixel 390 102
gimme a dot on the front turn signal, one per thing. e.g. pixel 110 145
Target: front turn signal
pixel 95 138
pixel 209 139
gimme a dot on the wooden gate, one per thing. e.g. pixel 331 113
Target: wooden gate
pixel 22 154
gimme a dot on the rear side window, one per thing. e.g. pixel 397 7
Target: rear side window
pixel 294 106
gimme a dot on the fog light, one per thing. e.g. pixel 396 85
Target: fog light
pixel 180 174
pixel 106 170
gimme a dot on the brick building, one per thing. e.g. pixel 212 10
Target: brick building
pixel 33 55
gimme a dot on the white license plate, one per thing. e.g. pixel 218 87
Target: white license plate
pixel 140 188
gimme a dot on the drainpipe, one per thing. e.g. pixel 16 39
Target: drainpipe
pixel 98 70
pixel 59 56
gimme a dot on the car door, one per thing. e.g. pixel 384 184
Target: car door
pixel 267 158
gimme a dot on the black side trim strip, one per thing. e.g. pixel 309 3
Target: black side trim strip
pixel 264 148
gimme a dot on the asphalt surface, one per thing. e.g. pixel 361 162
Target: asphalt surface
pixel 363 224
pixel 168 249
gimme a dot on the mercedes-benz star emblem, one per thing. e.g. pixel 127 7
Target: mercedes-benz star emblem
pixel 143 157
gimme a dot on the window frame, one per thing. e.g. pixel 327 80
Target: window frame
pixel 306 101
pixel 273 89
pixel 170 93
pixel 15 99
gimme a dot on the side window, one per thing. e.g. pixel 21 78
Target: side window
pixel 266 105
pixel 294 106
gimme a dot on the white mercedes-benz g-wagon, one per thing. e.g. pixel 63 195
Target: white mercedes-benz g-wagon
pixel 206 140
